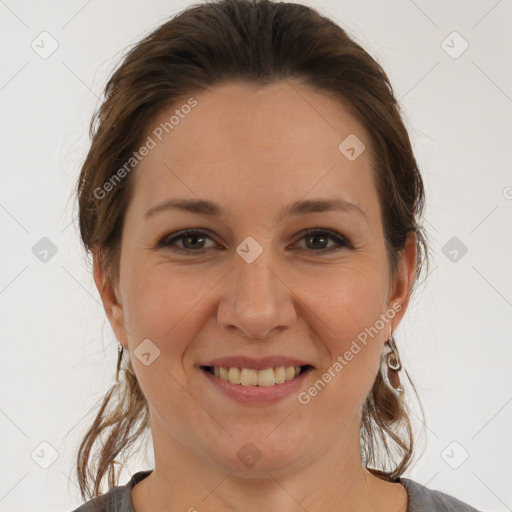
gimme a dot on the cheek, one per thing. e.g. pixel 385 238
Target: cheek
pixel 160 304
pixel 338 305
pixel 337 310
pixel 163 306
pixel 350 322
pixel 347 304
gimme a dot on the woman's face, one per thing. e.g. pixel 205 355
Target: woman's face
pixel 252 285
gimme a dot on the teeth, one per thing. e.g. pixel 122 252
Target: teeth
pixel 266 377
pixel 234 375
pixel 279 374
pixel 224 374
pixel 250 377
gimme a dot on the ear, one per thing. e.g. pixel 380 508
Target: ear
pixel 404 280
pixel 111 304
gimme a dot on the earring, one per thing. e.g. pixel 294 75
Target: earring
pixel 394 365
pixel 119 359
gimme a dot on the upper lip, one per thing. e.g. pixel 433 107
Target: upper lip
pixel 255 364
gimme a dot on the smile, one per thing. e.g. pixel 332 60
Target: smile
pixel 251 377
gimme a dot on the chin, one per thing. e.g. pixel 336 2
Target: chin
pixel 256 456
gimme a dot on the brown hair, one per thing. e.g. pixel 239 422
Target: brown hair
pixel 258 42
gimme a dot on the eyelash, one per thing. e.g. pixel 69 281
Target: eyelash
pixel 168 240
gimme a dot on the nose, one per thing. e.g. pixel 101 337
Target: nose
pixel 257 301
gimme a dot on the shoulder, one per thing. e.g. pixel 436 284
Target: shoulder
pixel 422 499
pixel 118 499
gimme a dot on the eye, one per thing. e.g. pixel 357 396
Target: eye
pixel 188 237
pixel 322 235
pixel 192 240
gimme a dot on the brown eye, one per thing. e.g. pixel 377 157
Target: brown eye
pixel 317 240
pixel 191 241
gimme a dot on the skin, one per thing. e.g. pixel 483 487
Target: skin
pixel 254 150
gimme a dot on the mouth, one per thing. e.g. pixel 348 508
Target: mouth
pixel 250 377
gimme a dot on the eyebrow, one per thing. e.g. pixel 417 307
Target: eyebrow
pixel 204 207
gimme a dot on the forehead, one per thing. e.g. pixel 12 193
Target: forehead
pixel 258 145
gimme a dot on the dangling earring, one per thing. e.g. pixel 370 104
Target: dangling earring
pixel 119 359
pixel 394 366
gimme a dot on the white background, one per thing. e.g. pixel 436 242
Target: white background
pixel 58 351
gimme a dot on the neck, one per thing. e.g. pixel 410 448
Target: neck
pixel 331 481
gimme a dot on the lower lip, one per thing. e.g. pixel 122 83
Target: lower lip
pixel 257 394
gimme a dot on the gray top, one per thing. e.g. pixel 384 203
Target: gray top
pixel 421 499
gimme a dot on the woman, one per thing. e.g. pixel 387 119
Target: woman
pixel 252 204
